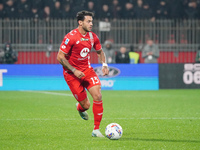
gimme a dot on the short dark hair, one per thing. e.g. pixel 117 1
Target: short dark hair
pixel 81 15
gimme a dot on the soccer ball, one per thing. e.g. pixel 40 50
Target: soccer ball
pixel 114 131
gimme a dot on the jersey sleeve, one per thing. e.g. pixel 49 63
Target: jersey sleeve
pixel 97 44
pixel 66 44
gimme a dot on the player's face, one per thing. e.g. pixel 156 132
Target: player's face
pixel 87 23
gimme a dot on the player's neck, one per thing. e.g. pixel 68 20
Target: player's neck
pixel 83 32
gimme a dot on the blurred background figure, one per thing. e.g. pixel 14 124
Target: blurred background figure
pixel 192 11
pixel 175 8
pixel 162 11
pixel 2 11
pixel 91 7
pixel 128 12
pixel 35 14
pixel 197 59
pixel 105 14
pixel 8 55
pixel 122 56
pixel 66 12
pixel 147 13
pixel 56 12
pixel 150 52
pixel 109 52
pixel 134 56
pixel 139 9
pixel 10 10
pixel 46 13
pixel 116 9
pixel 23 9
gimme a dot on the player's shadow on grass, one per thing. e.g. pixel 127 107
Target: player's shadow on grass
pixel 161 140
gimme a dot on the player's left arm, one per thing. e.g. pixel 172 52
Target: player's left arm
pixel 102 58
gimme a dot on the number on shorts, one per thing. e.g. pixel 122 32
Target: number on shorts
pixel 95 80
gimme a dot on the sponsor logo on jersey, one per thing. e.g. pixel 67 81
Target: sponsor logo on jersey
pixel 63 46
pixel 112 72
pixel 84 52
pixel 83 39
pixel 66 41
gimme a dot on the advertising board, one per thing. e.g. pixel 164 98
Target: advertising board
pixel 50 77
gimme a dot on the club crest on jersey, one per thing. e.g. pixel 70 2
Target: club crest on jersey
pixel 83 39
pixel 84 52
pixel 66 41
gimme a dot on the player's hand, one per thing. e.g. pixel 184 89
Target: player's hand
pixel 105 70
pixel 79 74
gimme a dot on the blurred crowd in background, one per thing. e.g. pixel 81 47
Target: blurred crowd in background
pixel 103 9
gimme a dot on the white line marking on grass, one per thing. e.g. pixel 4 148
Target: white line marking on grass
pixel 68 119
pixel 187 118
pixel 36 119
pixel 51 93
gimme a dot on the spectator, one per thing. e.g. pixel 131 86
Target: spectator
pixel 105 14
pixel 91 7
pixel 150 53
pixel 35 14
pixel 56 11
pixel 66 12
pixel 46 13
pixel 23 9
pixel 147 12
pixel 109 52
pixel 10 56
pixel 2 11
pixel 191 11
pixel 128 12
pixel 10 10
pixel 127 9
pixel 115 9
pixel 139 9
pixel 162 10
pixel 175 9
pixel 197 59
pixel 134 56
pixel 122 56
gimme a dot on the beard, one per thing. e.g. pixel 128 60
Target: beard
pixel 85 29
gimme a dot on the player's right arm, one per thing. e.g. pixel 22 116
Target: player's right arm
pixel 65 63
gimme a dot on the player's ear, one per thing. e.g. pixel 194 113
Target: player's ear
pixel 80 22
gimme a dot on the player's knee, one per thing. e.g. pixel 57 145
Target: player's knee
pixel 86 106
pixel 97 97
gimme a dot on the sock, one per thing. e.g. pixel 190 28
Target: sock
pixel 98 113
pixel 79 108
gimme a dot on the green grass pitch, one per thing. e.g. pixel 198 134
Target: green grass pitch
pixel 45 120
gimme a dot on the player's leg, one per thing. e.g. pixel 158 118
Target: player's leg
pixel 79 93
pixel 82 106
pixel 95 92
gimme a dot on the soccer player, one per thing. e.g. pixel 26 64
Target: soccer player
pixel 74 56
